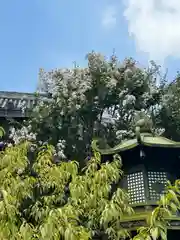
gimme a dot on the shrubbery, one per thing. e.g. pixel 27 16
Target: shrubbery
pixel 41 199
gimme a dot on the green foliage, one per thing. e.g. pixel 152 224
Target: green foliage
pixel 170 109
pixel 44 200
pixel 158 221
pixel 40 199
pixel 2 132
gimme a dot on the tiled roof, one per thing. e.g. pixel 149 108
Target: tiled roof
pixel 15 102
pixel 17 99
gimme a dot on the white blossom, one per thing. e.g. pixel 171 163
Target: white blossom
pixel 129 100
pixel 22 134
pixel 101 98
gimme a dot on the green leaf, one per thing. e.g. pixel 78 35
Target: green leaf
pixel 2 132
pixel 68 234
pixel 154 233
pixel 163 235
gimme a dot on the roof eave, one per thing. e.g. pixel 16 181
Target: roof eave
pixel 119 148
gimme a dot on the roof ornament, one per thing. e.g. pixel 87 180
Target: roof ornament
pixel 143 124
pixel 145 135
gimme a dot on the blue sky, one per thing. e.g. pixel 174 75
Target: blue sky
pixel 50 34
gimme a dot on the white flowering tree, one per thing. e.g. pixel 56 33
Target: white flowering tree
pixel 99 101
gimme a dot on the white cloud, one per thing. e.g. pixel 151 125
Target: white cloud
pixel 155 26
pixel 109 17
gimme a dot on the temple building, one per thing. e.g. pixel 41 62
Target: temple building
pixel 16 105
